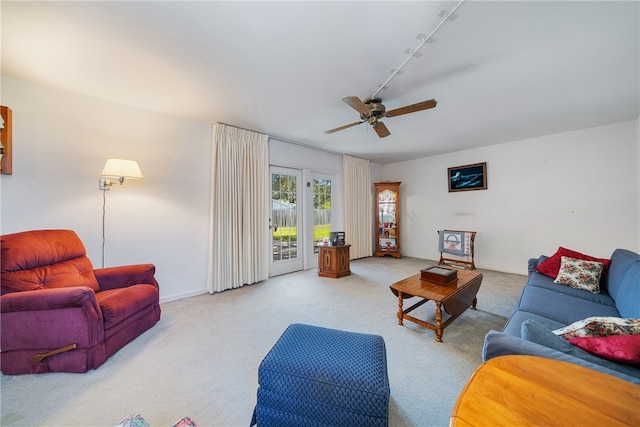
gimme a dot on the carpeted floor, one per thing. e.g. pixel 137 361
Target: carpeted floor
pixel 201 359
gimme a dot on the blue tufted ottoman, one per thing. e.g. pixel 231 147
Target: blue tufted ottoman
pixel 323 377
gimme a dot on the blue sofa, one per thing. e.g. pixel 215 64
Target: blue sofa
pixel 544 306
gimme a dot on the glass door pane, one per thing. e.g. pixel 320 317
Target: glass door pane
pixel 285 224
pixel 321 211
pixel 387 220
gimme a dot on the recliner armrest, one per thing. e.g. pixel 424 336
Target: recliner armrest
pixel 126 275
pixel 49 319
pixel 49 299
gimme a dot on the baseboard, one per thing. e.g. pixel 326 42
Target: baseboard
pixel 175 297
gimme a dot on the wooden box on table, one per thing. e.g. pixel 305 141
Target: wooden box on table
pixel 439 275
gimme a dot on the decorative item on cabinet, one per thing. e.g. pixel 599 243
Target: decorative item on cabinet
pixel 337 238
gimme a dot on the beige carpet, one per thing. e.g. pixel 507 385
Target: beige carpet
pixel 201 359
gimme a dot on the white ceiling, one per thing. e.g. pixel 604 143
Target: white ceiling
pixel 501 71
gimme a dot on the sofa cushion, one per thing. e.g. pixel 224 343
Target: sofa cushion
pixel 119 304
pixel 516 320
pixel 580 274
pixel 599 327
pixel 551 265
pixel 546 282
pixel 535 332
pixel 541 281
pixel 627 292
pixel 621 262
pixel 561 307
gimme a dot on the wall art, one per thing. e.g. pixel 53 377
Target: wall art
pixel 467 177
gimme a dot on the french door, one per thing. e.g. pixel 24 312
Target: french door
pixel 322 210
pixel 286 221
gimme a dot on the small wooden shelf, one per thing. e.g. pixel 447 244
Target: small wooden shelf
pixel 333 261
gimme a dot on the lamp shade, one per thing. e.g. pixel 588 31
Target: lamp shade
pixel 119 168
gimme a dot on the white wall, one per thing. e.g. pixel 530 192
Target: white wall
pixel 577 189
pixel 60 144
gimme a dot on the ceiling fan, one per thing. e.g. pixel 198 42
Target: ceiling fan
pixel 372 110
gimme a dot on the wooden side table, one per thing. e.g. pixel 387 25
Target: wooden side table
pixel 536 391
pixel 333 261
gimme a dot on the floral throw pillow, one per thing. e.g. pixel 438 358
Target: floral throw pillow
pixel 551 265
pixel 580 274
pixel 600 327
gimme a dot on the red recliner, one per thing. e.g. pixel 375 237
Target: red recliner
pixel 58 314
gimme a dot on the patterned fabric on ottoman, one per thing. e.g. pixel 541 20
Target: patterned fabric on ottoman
pixel 323 377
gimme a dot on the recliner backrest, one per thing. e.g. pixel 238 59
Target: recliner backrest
pixel 44 259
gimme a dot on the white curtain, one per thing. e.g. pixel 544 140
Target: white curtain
pixel 239 212
pixel 357 206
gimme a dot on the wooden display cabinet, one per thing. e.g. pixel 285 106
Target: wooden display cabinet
pixel 387 219
pixel 6 145
pixel 333 261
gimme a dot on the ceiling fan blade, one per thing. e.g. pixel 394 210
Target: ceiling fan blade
pixel 357 104
pixel 424 105
pixel 381 129
pixel 342 127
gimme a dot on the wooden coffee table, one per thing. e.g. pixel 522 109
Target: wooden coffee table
pixel 535 391
pixel 455 298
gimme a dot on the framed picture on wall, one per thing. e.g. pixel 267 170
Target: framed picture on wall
pixel 467 177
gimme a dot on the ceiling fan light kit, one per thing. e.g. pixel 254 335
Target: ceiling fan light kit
pixel 372 109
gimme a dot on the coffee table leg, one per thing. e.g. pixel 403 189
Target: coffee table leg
pixel 400 308
pixel 475 301
pixel 438 321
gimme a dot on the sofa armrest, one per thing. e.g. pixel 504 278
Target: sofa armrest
pixel 534 262
pixel 126 275
pixel 499 344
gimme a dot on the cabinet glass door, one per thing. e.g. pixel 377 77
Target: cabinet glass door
pixel 387 201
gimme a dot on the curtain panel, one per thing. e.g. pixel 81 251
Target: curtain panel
pixel 239 210
pixel 358 224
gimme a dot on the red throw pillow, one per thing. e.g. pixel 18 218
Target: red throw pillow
pixel 618 348
pixel 551 266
